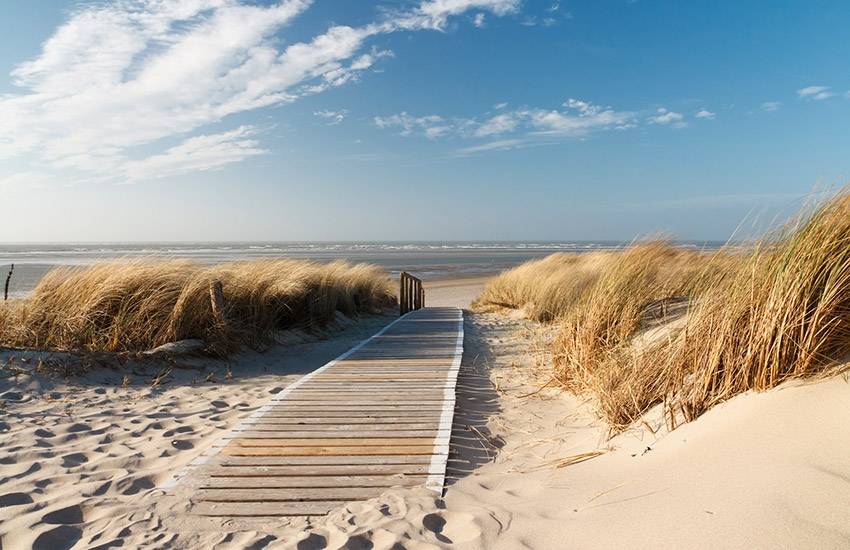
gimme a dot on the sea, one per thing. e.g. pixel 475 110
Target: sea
pixel 427 260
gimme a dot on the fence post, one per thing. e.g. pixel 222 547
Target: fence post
pixel 8 278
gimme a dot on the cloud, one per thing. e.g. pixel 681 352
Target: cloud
pixel 771 106
pixel 499 124
pixel 333 117
pixel 197 154
pixel 665 117
pixel 431 126
pixel 499 145
pixel 479 20
pixel 117 80
pixel 500 106
pixel 816 93
pixel 703 113
pixel 522 126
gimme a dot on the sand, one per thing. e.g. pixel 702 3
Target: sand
pixel 80 460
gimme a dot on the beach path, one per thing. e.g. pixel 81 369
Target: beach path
pixel 378 416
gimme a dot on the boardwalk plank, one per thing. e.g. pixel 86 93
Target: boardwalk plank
pixel 378 417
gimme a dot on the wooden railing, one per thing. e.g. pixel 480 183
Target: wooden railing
pixel 411 294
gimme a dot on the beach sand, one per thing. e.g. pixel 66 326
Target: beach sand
pixel 80 459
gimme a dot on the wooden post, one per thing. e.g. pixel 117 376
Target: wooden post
pixel 217 302
pixel 8 278
pixel 401 293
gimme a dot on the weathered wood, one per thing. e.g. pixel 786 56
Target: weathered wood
pixel 291 495
pixel 264 509
pixel 217 303
pixel 8 280
pixel 357 435
pixel 322 464
pixel 378 417
pixel 329 451
pixel 329 441
pixel 315 482
pixel 342 416
pixel 332 422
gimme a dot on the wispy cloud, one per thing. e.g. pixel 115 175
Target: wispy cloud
pixel 815 93
pixel 526 125
pixel 665 117
pixel 771 106
pixel 117 77
pixel 333 117
pixel 197 154
pixel 705 114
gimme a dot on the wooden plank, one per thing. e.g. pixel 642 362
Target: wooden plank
pixel 342 422
pixel 341 416
pixel 330 442
pixel 294 482
pixel 374 418
pixel 264 509
pixel 351 434
pixel 317 463
pixel 292 495
pixel 328 451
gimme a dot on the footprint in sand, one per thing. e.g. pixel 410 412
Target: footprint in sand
pixel 78 427
pixel 452 527
pixel 14 499
pixel 59 538
pixel 74 459
pixel 182 444
pixel 41 432
pixel 313 542
pixel 64 516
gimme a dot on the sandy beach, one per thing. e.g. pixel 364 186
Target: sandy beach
pixel 530 466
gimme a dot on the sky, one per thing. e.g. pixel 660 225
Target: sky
pixel 235 120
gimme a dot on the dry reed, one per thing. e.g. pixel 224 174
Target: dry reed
pixel 751 319
pixel 137 305
pixel 784 315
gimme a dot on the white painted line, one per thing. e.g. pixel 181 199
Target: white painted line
pixel 437 470
pixel 212 451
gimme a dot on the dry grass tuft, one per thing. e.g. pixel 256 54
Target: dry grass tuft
pixel 655 324
pixel 545 289
pixel 784 315
pixel 138 305
pixel 645 284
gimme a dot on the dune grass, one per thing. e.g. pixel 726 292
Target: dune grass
pixel 784 315
pixel 749 320
pixel 544 289
pixel 138 305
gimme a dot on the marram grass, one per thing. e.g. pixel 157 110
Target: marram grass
pixel 138 305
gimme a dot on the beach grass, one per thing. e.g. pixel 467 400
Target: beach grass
pixel 654 324
pixel 136 305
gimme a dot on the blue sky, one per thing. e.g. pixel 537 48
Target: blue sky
pixel 431 119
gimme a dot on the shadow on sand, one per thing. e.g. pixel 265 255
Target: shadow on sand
pixel 472 444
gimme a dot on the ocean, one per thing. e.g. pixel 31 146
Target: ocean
pixel 427 260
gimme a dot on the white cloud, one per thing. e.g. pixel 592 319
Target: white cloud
pixel 431 126
pixel 479 20
pixel 706 114
pixel 665 117
pixel 117 77
pixel 499 124
pixel 197 154
pixel 500 106
pixel 816 93
pixel 771 105
pixel 499 145
pixel 333 117
pixel 522 126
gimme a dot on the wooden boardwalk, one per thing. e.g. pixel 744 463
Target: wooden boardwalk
pixel 378 416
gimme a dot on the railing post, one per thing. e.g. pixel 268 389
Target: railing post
pixel 411 293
